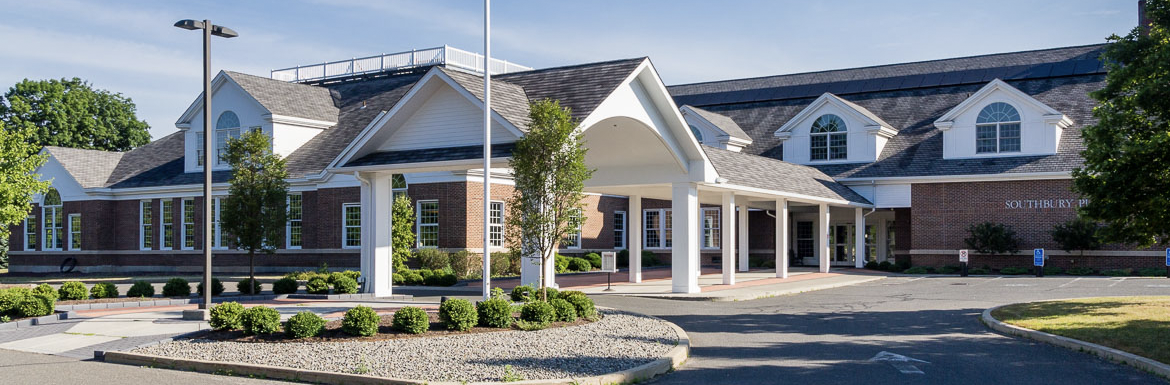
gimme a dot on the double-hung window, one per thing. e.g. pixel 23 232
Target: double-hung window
pixel 828 139
pixel 188 224
pixel 215 230
pixel 619 229
pixel 656 228
pixel 428 223
pixel 30 233
pixel 292 227
pixel 711 234
pixel 146 225
pixel 496 231
pixel 572 239
pixel 997 129
pixel 168 224
pixel 74 231
pixel 226 128
pixel 54 221
pixel 351 232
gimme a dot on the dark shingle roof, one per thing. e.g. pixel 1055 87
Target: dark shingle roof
pixel 91 168
pixel 508 100
pixel 581 88
pixel 288 99
pixel 917 148
pixel 767 173
pixel 502 150
pixel 722 122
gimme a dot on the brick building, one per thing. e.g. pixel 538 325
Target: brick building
pixel 874 163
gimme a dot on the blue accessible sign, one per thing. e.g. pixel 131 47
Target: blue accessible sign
pixel 1168 256
pixel 1038 257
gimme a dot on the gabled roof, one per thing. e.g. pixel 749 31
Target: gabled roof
pixel 288 99
pixel 944 121
pixel 770 174
pixel 90 168
pixel 867 116
pixel 721 122
pixel 508 100
pixel 581 87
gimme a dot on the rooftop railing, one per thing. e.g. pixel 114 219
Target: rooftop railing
pixel 452 57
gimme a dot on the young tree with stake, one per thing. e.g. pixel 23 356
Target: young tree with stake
pixel 255 210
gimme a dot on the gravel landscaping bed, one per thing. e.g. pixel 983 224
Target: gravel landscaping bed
pixel 617 342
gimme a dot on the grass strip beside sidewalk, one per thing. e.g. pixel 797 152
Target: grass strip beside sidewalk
pixel 1133 324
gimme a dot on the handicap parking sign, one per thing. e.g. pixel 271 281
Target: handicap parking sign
pixel 1038 257
pixel 1168 256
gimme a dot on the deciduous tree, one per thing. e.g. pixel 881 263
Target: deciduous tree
pixel 255 210
pixel 19 160
pixel 70 113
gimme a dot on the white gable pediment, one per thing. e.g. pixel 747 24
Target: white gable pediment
pixel 867 133
pixel 1040 124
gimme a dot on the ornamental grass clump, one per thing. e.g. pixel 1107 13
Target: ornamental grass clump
pixel 177 287
pixel 458 314
pixel 411 320
pixel 304 325
pixel 260 320
pixel 345 285
pixel 565 311
pixel 227 316
pixel 317 285
pixel 141 289
pixel 73 291
pixel 495 312
pixel 361 321
pixel 103 290
pixel 286 285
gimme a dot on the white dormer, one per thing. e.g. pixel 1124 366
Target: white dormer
pixel 715 130
pixel 1000 120
pixel 834 130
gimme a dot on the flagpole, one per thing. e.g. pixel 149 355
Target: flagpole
pixel 487 147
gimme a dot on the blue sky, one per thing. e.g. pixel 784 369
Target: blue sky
pixel 130 46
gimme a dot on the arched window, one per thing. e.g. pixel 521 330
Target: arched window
pixel 828 139
pixel 227 127
pixel 54 220
pixel 997 129
pixel 698 134
pixel 397 186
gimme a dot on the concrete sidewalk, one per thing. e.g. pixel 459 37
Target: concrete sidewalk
pixel 749 285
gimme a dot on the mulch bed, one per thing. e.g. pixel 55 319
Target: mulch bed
pixel 333 333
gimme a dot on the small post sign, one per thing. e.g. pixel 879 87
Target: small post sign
pixel 1038 261
pixel 1168 262
pixel 609 266
pixel 964 256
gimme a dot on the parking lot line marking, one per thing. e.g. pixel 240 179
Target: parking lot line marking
pixel 1117 282
pixel 987 280
pixel 1070 282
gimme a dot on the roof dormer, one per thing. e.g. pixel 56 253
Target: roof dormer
pixel 1000 120
pixel 834 130
pixel 714 129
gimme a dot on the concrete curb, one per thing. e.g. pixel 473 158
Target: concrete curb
pixel 337 297
pixel 753 296
pixel 162 302
pixel 673 359
pixel 46 320
pixel 1107 353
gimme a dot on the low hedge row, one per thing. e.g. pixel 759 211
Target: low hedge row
pixel 19 302
pixel 426 277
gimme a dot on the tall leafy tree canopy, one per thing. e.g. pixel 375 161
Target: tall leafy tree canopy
pixel 70 113
pixel 548 168
pixel 19 160
pixel 1126 175
pixel 255 210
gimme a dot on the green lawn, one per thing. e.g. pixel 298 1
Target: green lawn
pixel 1138 325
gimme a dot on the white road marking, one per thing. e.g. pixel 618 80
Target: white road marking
pixel 1117 282
pixel 1157 285
pixel 987 280
pixel 902 363
pixel 1071 282
pixel 1019 285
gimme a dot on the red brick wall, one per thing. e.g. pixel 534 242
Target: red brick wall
pixel 322 223
pixel 453 210
pixel 172 260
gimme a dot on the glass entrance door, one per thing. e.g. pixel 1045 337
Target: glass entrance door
pixel 841 245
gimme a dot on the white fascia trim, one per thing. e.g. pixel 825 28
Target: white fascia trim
pixel 959 178
pixel 882 131
pixel 292 120
pixel 948 119
pixel 785 131
pixel 362 137
pixel 220 78
pixel 708 170
pixel 791 196
pixel 420 167
pixel 723 136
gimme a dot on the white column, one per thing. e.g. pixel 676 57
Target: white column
pixel 634 218
pixel 727 238
pixel 367 243
pixel 781 238
pixel 742 231
pixel 685 242
pixel 823 237
pixel 379 210
pixel 859 243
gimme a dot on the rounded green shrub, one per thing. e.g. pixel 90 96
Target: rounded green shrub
pixel 260 320
pixel 579 264
pixel 917 270
pixel 345 285
pixel 141 289
pixel 304 325
pixel 550 293
pixel 584 305
pixel 286 285
pixel 523 293
pixel 397 279
pixel 1081 270
pixel 948 269
pixel 1117 272
pixel 317 285
pixel 333 277
pixel 495 312
pixel 46 290
pixel 561 264
pixel 354 275
pixel 458 314
pixel 885 266
pixel 1145 272
pixel 73 291
pixel 411 320
pixel 1014 270
pixel 872 265
pixel 441 278
pixel 177 287
pixel 594 259
pixel 538 312
pixel 227 316
pixel 216 287
pixel 412 278
pixel 248 286
pixel 433 259
pixel 37 305
pixel 565 311
pixel 361 321
pixel 10 300
pixel 103 290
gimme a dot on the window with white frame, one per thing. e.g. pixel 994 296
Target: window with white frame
pixel 711 228
pixel 997 129
pixel 619 229
pixel 54 221
pixel 656 228
pixel 496 231
pixel 30 232
pixel 572 239
pixel 398 186
pixel 215 232
pixel 227 127
pixel 427 223
pixel 74 231
pixel 292 227
pixel 145 225
pixel 828 139
pixel 188 224
pixel 351 217
pixel 168 224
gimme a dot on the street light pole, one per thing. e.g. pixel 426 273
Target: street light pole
pixel 208 30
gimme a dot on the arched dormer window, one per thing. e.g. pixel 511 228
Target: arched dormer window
pixel 997 129
pixel 227 127
pixel 695 131
pixel 397 186
pixel 828 139
pixel 54 220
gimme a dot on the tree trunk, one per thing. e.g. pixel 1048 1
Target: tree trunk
pixel 251 272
